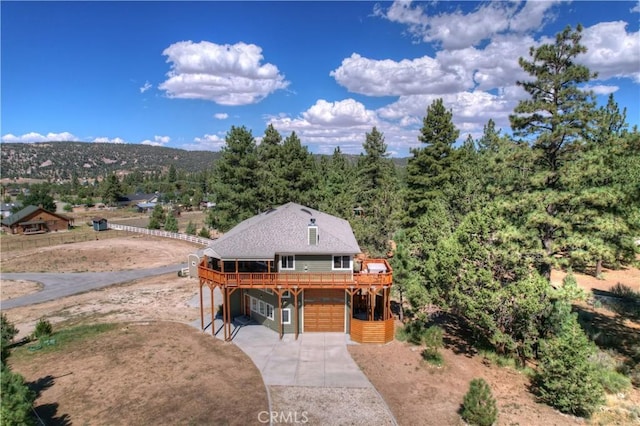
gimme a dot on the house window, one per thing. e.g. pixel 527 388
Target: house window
pixel 341 262
pixel 268 291
pixel 286 316
pixel 286 294
pixel 262 308
pixel 287 262
pixel 269 311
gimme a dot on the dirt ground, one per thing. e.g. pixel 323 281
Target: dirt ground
pixel 418 393
pixel 168 373
pixel 135 251
pixel 146 373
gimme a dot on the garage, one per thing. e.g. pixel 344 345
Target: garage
pixel 324 310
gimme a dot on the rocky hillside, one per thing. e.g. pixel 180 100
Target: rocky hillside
pixel 58 160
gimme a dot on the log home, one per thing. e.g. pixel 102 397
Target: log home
pixel 35 220
pixel 294 269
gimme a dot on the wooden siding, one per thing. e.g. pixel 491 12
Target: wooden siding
pixel 372 331
pixel 313 263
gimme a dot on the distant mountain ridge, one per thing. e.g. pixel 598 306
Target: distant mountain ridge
pixel 57 160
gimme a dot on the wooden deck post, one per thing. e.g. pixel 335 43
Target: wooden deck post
pixel 372 304
pixel 279 293
pixel 201 308
pixel 295 311
pixel 213 313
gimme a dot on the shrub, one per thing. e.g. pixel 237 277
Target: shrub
pixel 566 378
pixel 479 407
pixel 17 399
pixel 7 331
pixel 609 372
pixel 414 330
pixel 204 232
pixel 432 339
pixel 191 229
pixel 43 329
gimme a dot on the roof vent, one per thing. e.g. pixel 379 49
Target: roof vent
pixel 312 232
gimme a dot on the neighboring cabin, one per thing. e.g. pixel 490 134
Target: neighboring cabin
pixel 294 269
pixel 35 220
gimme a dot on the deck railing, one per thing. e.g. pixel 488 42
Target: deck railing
pixel 290 280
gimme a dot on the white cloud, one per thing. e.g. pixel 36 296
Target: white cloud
pixel 206 143
pixel 392 78
pixel 611 50
pixel 601 89
pixel 157 141
pixel 533 15
pixel 329 124
pixel 103 139
pixel 225 74
pixel 37 137
pixel 456 30
pixel 221 116
pixel 635 8
pixel 146 87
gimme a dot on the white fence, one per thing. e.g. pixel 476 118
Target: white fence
pixel 159 233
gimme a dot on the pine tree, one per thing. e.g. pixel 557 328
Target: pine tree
pixel 429 168
pixel 16 399
pixel 271 192
pixel 171 224
pixel 235 180
pixel 337 190
pixel 298 173
pixel 111 190
pixel 479 407
pixel 157 217
pixel 555 119
pixel 191 229
pixel 566 379
pixel 377 194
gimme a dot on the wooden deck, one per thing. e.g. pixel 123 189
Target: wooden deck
pixel 296 280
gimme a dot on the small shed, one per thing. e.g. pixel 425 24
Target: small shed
pixel 100 224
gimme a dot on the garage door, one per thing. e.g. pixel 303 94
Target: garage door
pixel 324 310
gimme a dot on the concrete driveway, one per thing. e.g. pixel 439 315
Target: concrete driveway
pixel 57 285
pixel 315 359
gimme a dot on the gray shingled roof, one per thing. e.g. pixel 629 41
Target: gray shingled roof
pixel 19 215
pixel 26 212
pixel 284 230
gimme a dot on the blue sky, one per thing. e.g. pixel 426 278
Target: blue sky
pixel 180 74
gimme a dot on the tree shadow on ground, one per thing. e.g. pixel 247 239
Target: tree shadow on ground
pixel 458 337
pixel 610 332
pixel 620 299
pixel 47 413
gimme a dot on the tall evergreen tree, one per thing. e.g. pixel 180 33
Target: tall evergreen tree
pixel 111 190
pixel 337 194
pixel 377 194
pixel 235 180
pixel 298 173
pixel 429 168
pixel 554 120
pixel 271 187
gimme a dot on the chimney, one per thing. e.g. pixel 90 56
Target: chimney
pixel 312 231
